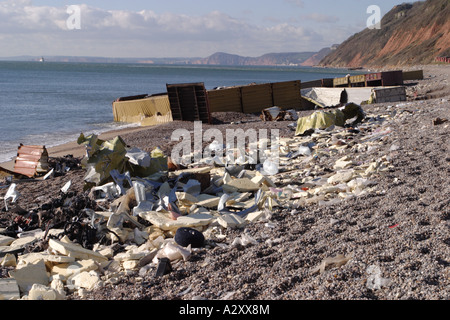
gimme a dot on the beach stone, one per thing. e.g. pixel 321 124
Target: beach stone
pixel 189 236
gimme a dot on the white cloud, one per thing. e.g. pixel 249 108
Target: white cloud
pixel 322 18
pixel 20 17
pixel 36 30
pixel 296 3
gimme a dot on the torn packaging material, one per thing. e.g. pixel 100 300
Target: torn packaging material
pixel 324 119
pixel 138 157
pixel 11 193
pixel 330 262
pixel 104 156
pixel 121 215
pixel 164 222
pixel 277 114
pixel 320 120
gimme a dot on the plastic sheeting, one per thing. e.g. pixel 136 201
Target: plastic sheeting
pixel 324 119
pixel 328 97
pixel 320 120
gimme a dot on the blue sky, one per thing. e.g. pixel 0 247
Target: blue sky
pixel 174 28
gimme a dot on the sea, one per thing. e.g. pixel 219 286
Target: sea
pixel 51 103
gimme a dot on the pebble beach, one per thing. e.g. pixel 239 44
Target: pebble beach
pixel 387 238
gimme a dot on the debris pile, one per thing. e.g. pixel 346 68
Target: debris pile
pixel 277 114
pixel 139 215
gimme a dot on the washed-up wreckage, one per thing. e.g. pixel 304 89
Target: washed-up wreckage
pixel 147 215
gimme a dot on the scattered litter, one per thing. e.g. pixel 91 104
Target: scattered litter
pixel 272 242
pixel 439 121
pixel 375 281
pixel 189 237
pixel 49 174
pixel 270 225
pixel 332 262
pixel 325 119
pixel 122 180
pixel 164 267
pixel 11 193
pixel 244 241
pixel 102 157
pixel 270 167
pixel 66 187
pixel 138 157
pixel 304 151
pixel 277 114
pixel 184 292
pixel 107 191
pixel 174 252
pixel 31 160
pixel 159 218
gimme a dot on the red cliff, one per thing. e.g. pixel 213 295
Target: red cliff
pixel 410 34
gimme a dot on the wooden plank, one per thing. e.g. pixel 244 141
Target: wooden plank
pixel 413 75
pixel 287 95
pixel 225 100
pixel 256 98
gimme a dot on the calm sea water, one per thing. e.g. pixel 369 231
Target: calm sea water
pixel 52 103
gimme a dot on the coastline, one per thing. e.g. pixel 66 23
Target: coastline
pixel 73 148
pixel 323 250
pixel 53 139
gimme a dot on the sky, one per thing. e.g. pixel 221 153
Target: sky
pixel 178 28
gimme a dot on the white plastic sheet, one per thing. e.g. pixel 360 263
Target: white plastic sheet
pixel 11 193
